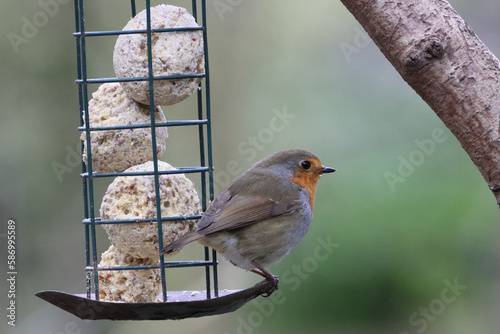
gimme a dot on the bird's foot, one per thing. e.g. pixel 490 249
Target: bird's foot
pixel 272 279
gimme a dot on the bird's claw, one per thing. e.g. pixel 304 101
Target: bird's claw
pixel 274 285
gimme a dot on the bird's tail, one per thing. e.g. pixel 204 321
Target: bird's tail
pixel 177 245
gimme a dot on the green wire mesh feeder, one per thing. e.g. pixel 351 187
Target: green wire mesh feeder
pixel 173 304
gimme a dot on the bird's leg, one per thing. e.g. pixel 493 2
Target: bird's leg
pixel 262 272
pixel 267 275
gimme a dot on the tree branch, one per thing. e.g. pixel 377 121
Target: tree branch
pixel 442 59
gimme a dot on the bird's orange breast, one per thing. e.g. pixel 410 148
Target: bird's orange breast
pixel 307 180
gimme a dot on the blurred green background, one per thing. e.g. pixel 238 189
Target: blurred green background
pixel 394 250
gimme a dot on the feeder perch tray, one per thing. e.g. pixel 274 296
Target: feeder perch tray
pixel 180 304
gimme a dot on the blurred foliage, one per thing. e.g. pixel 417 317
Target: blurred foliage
pixel 395 247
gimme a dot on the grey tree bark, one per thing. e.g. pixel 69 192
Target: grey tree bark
pixel 443 60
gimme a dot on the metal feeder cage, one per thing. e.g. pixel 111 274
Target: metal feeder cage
pixel 175 304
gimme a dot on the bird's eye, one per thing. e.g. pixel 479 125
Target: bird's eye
pixel 305 164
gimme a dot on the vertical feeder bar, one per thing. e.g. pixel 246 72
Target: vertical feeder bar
pixel 132 7
pixel 209 134
pixel 88 275
pixel 201 136
pixel 84 107
pixel 153 143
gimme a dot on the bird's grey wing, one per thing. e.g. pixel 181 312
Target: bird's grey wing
pixel 214 209
pixel 232 212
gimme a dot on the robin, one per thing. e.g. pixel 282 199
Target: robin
pixel 263 214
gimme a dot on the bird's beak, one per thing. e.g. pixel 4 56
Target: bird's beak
pixel 327 170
